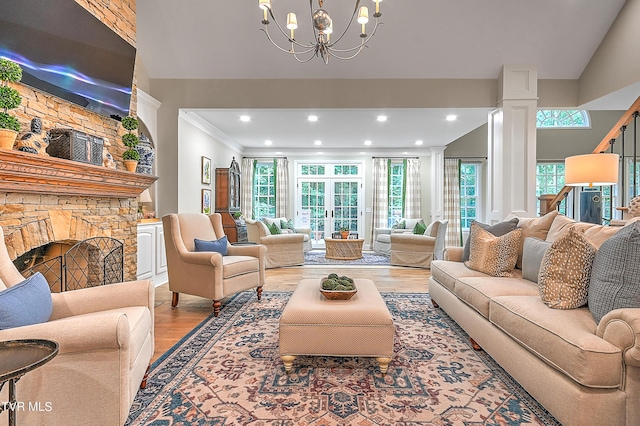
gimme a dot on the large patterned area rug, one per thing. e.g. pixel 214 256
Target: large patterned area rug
pixel 227 371
pixel 318 258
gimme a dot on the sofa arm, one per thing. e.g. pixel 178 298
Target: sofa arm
pixel 381 231
pixel 253 250
pixel 413 239
pixel 102 298
pixel 104 330
pixel 453 253
pixel 303 231
pixel 621 327
pixel 282 239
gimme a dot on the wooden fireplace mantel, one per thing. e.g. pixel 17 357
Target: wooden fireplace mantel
pixel 31 173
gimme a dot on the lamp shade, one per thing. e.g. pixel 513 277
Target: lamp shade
pixel 145 196
pixel 591 170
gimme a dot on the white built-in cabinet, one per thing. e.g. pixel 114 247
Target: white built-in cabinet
pixel 152 257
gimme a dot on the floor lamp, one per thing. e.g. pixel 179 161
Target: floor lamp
pixel 591 170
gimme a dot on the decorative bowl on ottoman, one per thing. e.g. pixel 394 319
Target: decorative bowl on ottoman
pixel 336 287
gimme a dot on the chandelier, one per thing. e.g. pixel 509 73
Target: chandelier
pixel 323 46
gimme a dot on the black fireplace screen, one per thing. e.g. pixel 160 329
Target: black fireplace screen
pixel 71 266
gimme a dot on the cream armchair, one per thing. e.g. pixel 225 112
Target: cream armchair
pixel 408 249
pixel 382 236
pixel 209 274
pixel 304 231
pixel 105 338
pixel 282 249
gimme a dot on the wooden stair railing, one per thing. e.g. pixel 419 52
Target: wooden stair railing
pixel 615 131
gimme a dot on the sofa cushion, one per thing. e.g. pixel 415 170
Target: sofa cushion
pixel 566 270
pixel 532 254
pixel 477 292
pixel 26 303
pixel 287 224
pixel 498 230
pixel 218 246
pixel 448 272
pixel 537 227
pixel 239 265
pixel 615 275
pixel 419 228
pixel 560 224
pixel 564 339
pixel 493 255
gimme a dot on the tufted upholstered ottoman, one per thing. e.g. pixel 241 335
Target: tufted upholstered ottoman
pixel 313 325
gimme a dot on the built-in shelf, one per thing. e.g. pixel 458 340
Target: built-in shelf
pixel 31 173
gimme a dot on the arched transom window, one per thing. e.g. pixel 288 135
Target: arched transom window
pixel 562 119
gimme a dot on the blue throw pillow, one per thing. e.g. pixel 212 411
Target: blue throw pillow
pixel 26 303
pixel 219 246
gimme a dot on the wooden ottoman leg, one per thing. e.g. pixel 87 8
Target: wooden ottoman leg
pixel 435 305
pixel 475 345
pixel 384 364
pixel 288 362
pixel 216 307
pixel 174 299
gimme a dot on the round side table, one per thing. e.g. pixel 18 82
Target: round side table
pixel 18 357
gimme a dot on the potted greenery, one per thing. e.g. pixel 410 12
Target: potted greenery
pixel 9 99
pixel 130 140
pixel 344 232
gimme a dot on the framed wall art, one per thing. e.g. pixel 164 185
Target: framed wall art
pixel 206 170
pixel 206 201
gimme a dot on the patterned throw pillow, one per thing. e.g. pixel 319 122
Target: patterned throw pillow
pixel 287 225
pixel 497 230
pixel 274 229
pixel 565 271
pixel 615 276
pixel 400 224
pixel 493 255
pixel 419 228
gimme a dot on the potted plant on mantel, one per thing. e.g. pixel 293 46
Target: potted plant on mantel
pixel 9 99
pixel 130 140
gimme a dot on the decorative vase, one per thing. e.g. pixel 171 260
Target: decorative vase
pixel 130 165
pixel 147 155
pixel 7 138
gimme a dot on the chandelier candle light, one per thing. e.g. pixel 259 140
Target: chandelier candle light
pixel 322 30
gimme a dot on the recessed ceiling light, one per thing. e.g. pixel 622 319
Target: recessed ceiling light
pixel 452 117
pixel 419 142
pixel 245 118
pixel 405 153
pixel 313 118
pixel 268 142
pixel 320 152
pixel 382 118
pixel 367 142
pixel 317 142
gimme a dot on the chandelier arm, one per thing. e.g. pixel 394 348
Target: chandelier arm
pixel 289 51
pixel 304 46
pixel 364 41
pixel 349 24
pixel 346 58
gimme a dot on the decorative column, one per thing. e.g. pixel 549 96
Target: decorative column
pixel 511 183
pixel 437 182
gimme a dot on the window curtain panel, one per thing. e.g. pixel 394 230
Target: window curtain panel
pixel 452 201
pixel 246 187
pixel 412 189
pixel 380 214
pixel 281 166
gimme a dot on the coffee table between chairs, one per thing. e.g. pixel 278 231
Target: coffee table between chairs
pixel 362 326
pixel 343 249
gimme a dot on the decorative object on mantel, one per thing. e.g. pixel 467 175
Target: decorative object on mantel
pixel 322 30
pixel 9 99
pixel 130 140
pixel 34 141
pixel 74 145
pixel 145 197
pixel 107 158
pixel 147 154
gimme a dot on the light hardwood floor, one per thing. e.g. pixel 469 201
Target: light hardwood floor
pixel 172 324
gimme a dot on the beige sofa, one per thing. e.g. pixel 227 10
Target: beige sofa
pixel 282 249
pixel 583 372
pixel 382 236
pixel 409 249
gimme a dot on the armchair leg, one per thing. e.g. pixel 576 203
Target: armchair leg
pixel 143 384
pixel 435 305
pixel 174 299
pixel 216 308
pixel 259 292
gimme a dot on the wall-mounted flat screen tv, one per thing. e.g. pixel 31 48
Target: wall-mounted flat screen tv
pixel 65 51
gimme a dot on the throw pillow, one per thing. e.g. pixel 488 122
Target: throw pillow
pixel 274 229
pixel 495 256
pixel 419 228
pixel 400 224
pixel 532 254
pixel 28 302
pixel 287 225
pixel 219 246
pixel 537 227
pixel 615 276
pixel 565 271
pixel 498 230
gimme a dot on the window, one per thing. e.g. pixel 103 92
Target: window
pixel 550 180
pixel 396 191
pixel 264 190
pixel 469 196
pixel 630 184
pixel 562 119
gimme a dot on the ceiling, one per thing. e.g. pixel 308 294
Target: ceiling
pixel 418 39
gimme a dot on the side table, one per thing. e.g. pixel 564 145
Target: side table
pixel 343 249
pixel 18 357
